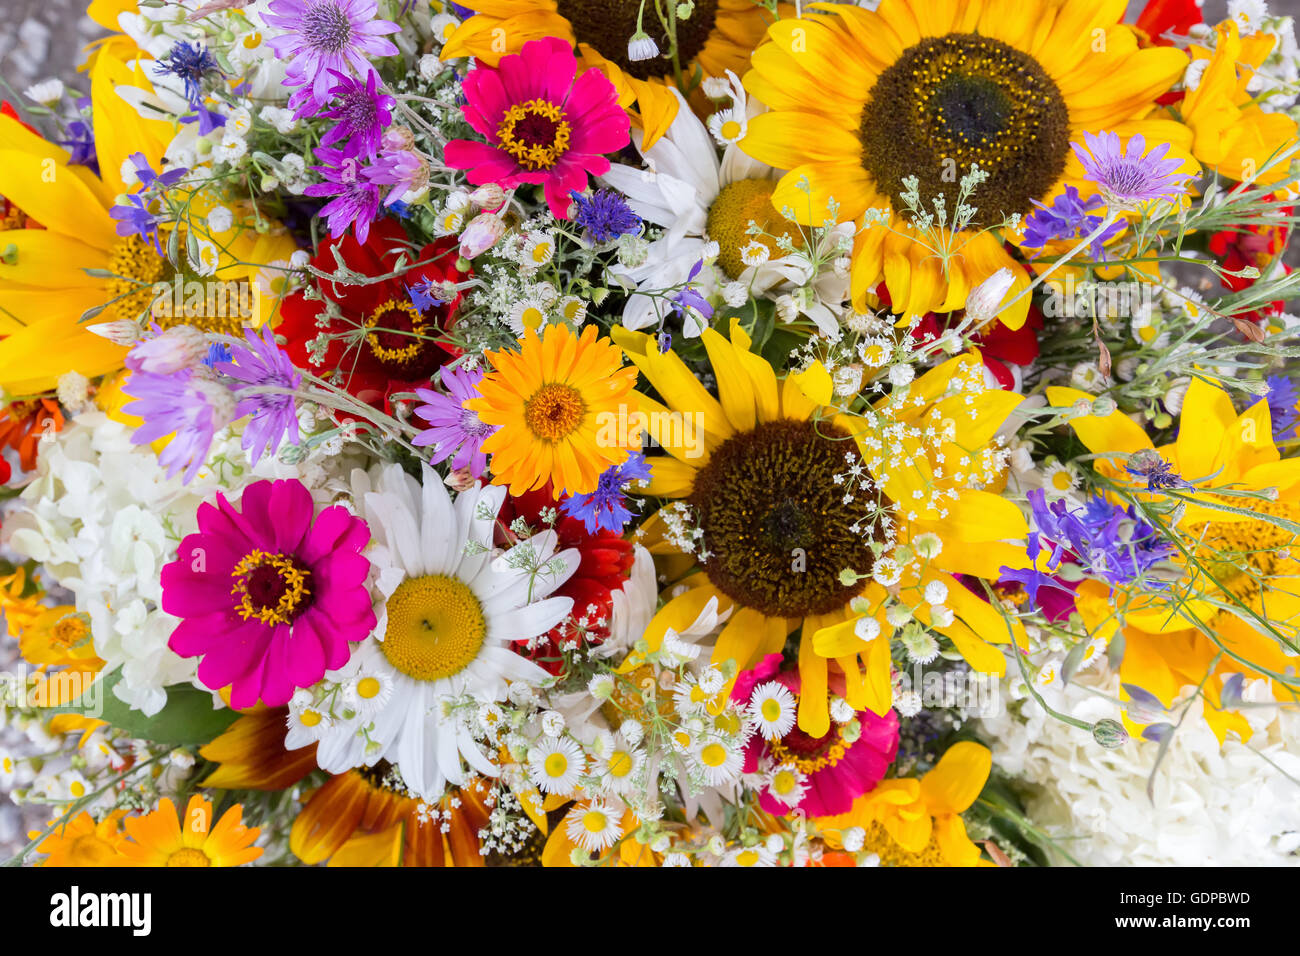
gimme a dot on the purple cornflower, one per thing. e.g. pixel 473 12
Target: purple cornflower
pixel 362 113
pixel 190 63
pixel 604 507
pixel 217 352
pixel 356 199
pixel 401 169
pixel 325 35
pixel 605 215
pixel 274 416
pixel 1067 218
pixel 452 426
pixel 189 405
pixel 1282 401
pixel 1159 474
pixel 1128 178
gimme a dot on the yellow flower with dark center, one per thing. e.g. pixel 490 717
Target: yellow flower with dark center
pixel 860 101
pixel 554 400
pixel 718 37
pixel 161 838
pixel 758 468
pixel 1241 578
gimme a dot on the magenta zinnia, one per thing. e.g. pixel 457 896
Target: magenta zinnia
pixel 271 595
pixel 541 125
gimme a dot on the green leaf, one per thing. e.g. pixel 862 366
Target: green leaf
pixel 187 719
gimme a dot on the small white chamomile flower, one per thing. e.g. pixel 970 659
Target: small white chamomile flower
pixel 773 709
pixel 368 693
pixel 728 127
pixel 719 760
pixel 555 764
pixel 749 856
pixel 593 826
pixel 787 784
pixel 538 250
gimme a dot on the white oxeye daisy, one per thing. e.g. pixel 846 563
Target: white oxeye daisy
pixel 47 92
pixel 875 352
pixel 491 719
pixel 539 249
pixel 527 314
pixel 720 761
pixel 642 46
pixel 1059 479
pixel 676 859
pixel 772 708
pixel 787 784
pixel 728 127
pixel 749 856
pixel 555 764
pixel 618 770
pixel 572 309
pixel 442 27
pixel 368 693
pixel 307 723
pixel 601 686
pixel 594 826
pixel 886 572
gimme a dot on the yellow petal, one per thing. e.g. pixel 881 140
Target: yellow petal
pixel 957 779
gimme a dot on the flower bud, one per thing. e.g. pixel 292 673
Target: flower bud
pixel 985 300
pixel 481 235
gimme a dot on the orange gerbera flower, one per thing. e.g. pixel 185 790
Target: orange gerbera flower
pixel 83 842
pixel 160 839
pixel 555 401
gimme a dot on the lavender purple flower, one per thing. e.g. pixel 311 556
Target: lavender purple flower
pixel 355 199
pixel 263 363
pixel 1067 218
pixel 453 428
pixel 325 35
pixel 1127 178
pixel 189 404
pixel 362 114
pixel 1282 401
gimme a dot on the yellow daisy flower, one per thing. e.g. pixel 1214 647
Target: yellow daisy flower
pixel 718 37
pixel 757 468
pixel 59 643
pixel 910 822
pixel 160 838
pixel 553 400
pixel 81 841
pixel 1231 132
pixel 1240 578
pixel 861 100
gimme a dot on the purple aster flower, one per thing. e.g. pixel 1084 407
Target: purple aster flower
pixel 604 507
pixel 1282 401
pixel 362 113
pixel 1105 539
pixel 401 169
pixel 1067 218
pixel 605 215
pixel 453 428
pixel 325 35
pixel 1128 178
pixel 189 405
pixel 262 363
pixel 356 199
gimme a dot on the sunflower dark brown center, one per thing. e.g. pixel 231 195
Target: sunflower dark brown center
pixel 607 25
pixel 774 521
pixel 955 100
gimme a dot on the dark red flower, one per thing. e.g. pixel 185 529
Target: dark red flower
pixel 1257 246
pixel 606 563
pixel 390 358
pixel 1159 17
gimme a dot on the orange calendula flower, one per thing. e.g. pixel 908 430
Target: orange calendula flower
pixel 161 838
pixel 555 401
pixel 83 842
pixel 24 424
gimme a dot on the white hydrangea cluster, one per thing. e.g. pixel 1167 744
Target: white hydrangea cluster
pixel 1238 805
pixel 103 518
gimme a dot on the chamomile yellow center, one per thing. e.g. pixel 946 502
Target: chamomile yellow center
pixel 368 688
pixel 554 411
pixel 556 765
pixel 738 204
pixel 771 709
pixel 713 755
pixel 435 629
pixel 595 821
pixel 620 764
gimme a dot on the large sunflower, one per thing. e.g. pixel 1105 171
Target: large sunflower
pixel 862 100
pixel 718 37
pixel 762 469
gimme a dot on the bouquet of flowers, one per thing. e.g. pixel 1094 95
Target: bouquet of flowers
pixel 652 433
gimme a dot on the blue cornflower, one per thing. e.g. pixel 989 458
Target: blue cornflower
pixel 217 352
pixel 1159 474
pixel 1067 218
pixel 190 63
pixel 605 215
pixel 1282 401
pixel 1105 539
pixel 422 296
pixel 604 508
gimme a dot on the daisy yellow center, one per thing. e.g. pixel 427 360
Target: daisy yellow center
pixel 188 856
pixel 594 821
pixel 774 521
pixel 310 718
pixel 607 25
pixel 959 99
pixel 135 266
pixel 730 129
pixel 1062 480
pixel 738 204
pixel 531 317
pixel 784 783
pixel 397 336
pixel 620 764
pixel 747 858
pixel 436 627
pixel 556 765
pixel 368 688
pixel 713 755
pixel 771 709
pixel 554 411
pixel 271 588
pixel 536 133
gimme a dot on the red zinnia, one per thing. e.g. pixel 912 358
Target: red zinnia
pixel 405 344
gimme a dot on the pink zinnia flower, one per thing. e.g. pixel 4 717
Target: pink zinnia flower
pixel 831 771
pixel 541 125
pixel 270 598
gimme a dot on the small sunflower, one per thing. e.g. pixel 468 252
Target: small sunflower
pixel 717 37
pixel 760 477
pixel 553 400
pixel 925 89
pixel 161 838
